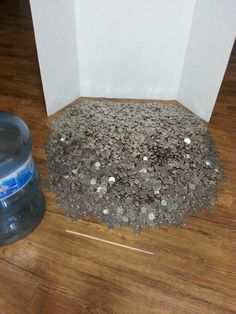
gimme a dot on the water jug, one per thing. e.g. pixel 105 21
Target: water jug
pixel 22 203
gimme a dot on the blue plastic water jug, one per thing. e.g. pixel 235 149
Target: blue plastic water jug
pixel 22 203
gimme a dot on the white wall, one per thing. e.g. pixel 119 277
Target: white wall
pixel 54 26
pixel 210 43
pixel 160 49
pixel 132 48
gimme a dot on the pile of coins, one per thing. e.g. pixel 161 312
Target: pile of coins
pixel 132 165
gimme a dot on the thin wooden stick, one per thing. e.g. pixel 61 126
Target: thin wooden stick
pixel 108 242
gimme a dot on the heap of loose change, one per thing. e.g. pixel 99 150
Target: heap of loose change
pixel 132 165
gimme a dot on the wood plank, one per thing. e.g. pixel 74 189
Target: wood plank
pixel 47 303
pixel 17 287
pixel 184 273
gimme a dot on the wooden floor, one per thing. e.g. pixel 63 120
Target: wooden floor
pixel 193 269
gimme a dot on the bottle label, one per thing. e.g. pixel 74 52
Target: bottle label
pixel 16 181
